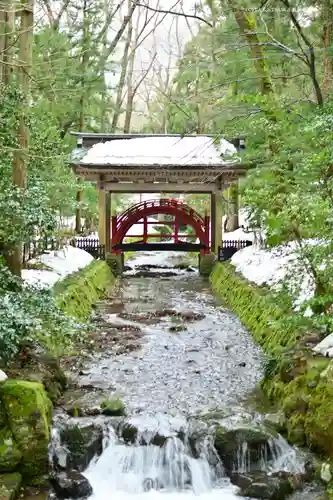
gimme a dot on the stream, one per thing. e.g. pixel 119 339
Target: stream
pixel 188 371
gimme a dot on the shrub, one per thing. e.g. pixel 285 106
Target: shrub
pixel 29 314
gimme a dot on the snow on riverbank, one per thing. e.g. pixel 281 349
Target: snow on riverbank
pixel 60 263
pixel 269 267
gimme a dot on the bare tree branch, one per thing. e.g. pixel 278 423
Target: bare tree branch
pixel 173 13
pixel 311 56
pixel 121 30
pixel 55 20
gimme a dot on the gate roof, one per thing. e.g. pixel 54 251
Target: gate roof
pixel 153 151
pixel 151 158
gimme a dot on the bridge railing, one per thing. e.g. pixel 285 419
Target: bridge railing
pixel 90 245
pixel 230 247
pixel 169 202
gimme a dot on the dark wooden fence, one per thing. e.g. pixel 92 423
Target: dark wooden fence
pixel 229 248
pixel 90 245
pixel 37 246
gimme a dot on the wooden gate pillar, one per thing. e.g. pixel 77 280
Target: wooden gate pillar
pixel 107 222
pixel 176 230
pixel 145 229
pixel 101 216
pixel 216 211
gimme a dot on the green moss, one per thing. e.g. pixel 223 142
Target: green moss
pixel 255 308
pixel 206 264
pixel 113 407
pixel 78 292
pixel 29 414
pixel 10 485
pixel 10 455
pixel 115 263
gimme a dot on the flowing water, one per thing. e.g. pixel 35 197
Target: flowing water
pixel 183 369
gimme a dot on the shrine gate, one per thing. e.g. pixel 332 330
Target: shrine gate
pixel 159 164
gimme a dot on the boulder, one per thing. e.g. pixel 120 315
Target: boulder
pixel 262 486
pixel 196 437
pixel 70 484
pixel 215 415
pixel 191 316
pixel 10 485
pixel 29 415
pixel 177 328
pixel 82 445
pixel 251 440
pixel 130 434
pixel 113 407
pixel 311 492
pixel 277 420
pixel 41 366
pixel 10 455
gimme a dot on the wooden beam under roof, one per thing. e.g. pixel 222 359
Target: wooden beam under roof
pixel 160 187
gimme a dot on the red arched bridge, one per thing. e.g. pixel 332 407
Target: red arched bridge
pixel 179 214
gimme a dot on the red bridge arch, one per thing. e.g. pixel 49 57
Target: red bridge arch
pixel 181 212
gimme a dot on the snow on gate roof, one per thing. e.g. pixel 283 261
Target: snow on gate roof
pixel 161 151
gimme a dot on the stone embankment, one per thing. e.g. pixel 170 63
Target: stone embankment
pixel 36 381
pixel 297 380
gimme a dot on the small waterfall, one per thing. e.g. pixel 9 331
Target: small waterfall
pixel 243 458
pixel 276 456
pixel 285 457
pixel 56 449
pixel 170 469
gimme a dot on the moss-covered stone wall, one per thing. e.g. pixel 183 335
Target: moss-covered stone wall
pixel 298 382
pixel 255 307
pixel 25 429
pixel 25 405
pixel 77 293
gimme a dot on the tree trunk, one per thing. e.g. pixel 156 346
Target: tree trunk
pixel 3 13
pixel 9 44
pixel 129 112
pixel 6 41
pixel 84 63
pixel 233 208
pixel 130 93
pixel 79 193
pixel 130 77
pixel 122 78
pixel 327 20
pixel 104 93
pixel 20 160
pixel 248 27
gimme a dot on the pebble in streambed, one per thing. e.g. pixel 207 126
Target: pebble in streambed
pixel 182 372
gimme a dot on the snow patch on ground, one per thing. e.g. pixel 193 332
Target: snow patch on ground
pixel 269 267
pixel 60 263
pixel 325 347
pixel 261 267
